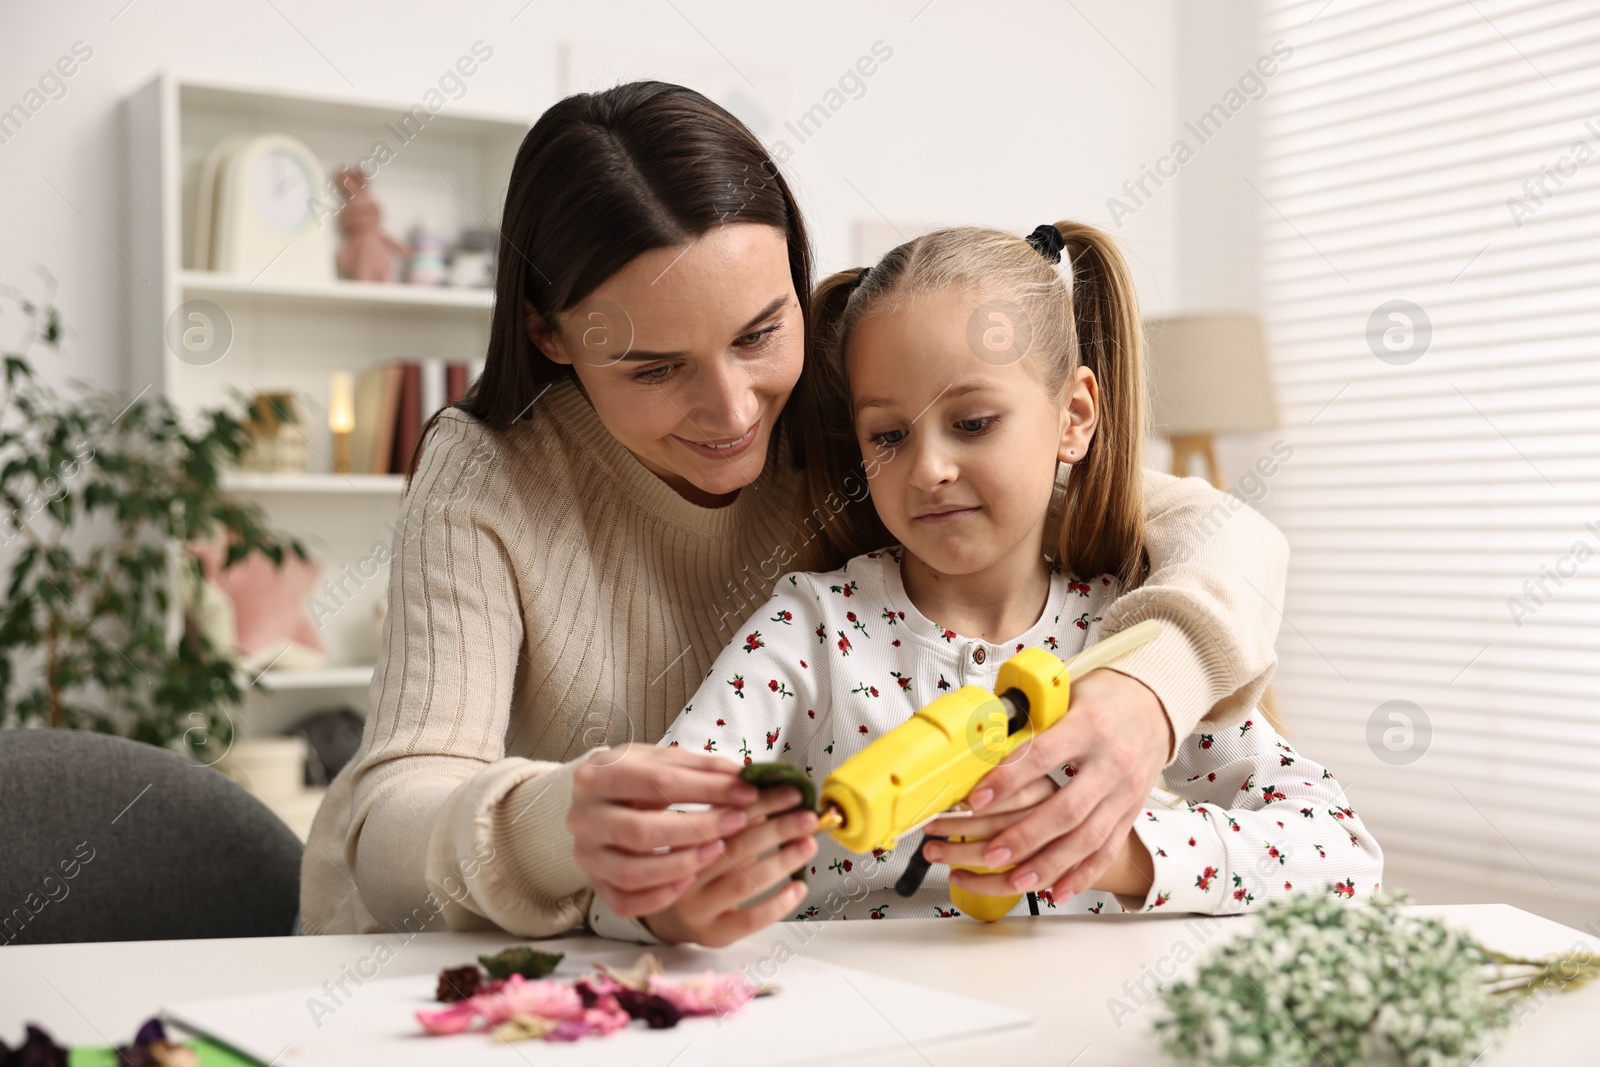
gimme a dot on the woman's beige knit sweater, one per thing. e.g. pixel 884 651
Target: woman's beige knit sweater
pixel 548 594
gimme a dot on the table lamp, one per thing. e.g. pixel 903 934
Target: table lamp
pixel 341 419
pixel 1208 376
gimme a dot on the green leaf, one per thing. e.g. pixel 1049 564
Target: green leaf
pixel 774 774
pixel 520 959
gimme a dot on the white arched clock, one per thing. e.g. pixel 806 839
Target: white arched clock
pixel 268 218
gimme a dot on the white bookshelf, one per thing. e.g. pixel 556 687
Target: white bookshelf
pixel 290 334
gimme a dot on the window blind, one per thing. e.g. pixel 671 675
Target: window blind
pixel 1430 197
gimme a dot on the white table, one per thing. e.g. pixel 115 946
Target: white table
pixel 1062 969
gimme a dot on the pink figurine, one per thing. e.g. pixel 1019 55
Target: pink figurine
pixel 368 253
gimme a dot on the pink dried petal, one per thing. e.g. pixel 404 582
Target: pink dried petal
pixel 568 1030
pixel 452 1020
pixel 606 1016
pixel 549 998
pixel 709 993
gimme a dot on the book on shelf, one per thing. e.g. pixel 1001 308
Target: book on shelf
pixel 393 402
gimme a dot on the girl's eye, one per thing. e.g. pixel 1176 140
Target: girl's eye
pixel 975 427
pixel 889 438
pixel 654 375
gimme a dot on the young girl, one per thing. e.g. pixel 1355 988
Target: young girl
pixel 972 365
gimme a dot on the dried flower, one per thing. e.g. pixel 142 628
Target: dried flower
pixel 1318 979
pixel 458 983
pixel 520 959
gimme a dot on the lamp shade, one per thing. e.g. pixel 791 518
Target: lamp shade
pixel 1209 375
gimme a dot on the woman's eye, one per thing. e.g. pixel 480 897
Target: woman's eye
pixel 754 338
pixel 654 374
pixel 975 426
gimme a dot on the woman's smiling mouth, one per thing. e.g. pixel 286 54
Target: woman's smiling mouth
pixel 721 449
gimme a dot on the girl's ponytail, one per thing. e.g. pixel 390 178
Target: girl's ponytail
pixel 1103 527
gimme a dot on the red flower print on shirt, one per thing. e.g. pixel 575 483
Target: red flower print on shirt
pixel 779 688
pixel 1321 853
pixel 753 641
pixel 840 866
pixel 948 635
pixel 904 680
pixel 1204 881
pixel 877 913
pixel 710 745
pixel 942 684
pixel 811 713
pixel 843 644
pixel 772 737
pixel 822 635
pixel 1248 724
pixel 1161 898
pixel 1191 842
pixel 845 590
pixel 865 689
pixel 862 728
pixel 1270 793
pixel 1051 643
pixel 722 722
pixel 881 855
pixel 738 685
pixel 785 617
pixel 1346 888
pixel 892 617
pixel 1082 621
pixel 1273 853
pixel 1206 741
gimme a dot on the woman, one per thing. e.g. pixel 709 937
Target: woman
pixel 618 492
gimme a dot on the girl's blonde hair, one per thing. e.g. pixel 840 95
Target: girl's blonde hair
pixel 1094 322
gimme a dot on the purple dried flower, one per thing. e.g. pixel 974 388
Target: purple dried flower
pixel 659 1013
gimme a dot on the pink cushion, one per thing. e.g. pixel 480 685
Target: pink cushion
pixel 269 602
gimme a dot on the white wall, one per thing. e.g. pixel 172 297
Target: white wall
pixel 1012 114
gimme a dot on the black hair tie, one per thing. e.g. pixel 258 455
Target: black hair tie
pixel 862 275
pixel 1048 242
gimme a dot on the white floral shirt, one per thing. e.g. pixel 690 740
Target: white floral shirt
pixel 833 661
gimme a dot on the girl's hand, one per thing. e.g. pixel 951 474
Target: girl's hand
pixel 1117 737
pixel 710 912
pixel 638 855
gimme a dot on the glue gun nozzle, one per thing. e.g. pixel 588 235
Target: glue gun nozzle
pixel 830 820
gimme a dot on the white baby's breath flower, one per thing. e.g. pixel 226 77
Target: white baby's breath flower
pixel 1318 978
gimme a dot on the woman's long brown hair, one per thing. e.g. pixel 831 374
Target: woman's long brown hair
pixel 601 178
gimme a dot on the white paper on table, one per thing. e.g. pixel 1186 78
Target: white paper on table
pixel 821 1011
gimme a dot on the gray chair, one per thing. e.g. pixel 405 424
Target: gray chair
pixel 105 839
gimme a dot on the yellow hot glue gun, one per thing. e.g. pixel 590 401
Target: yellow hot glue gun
pixel 916 772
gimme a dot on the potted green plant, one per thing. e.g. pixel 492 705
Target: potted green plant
pixel 97 497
